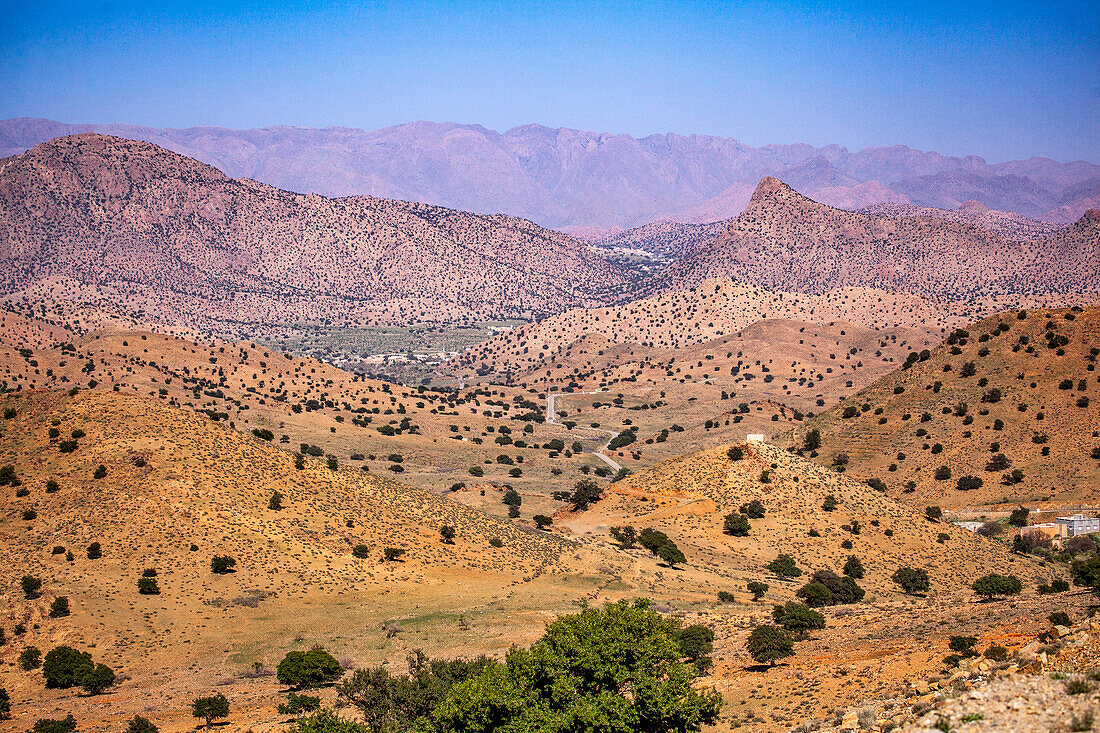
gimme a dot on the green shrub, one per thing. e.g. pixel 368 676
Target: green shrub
pixel 313 668
pixel 65 667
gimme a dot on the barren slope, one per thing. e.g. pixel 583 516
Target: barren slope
pixel 179 240
pixel 1030 401
pixel 785 241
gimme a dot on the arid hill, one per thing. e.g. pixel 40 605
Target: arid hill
pixel 1008 224
pixel 428 438
pixel 663 238
pixel 181 241
pixel 785 241
pixel 681 318
pixel 688 498
pixel 561 177
pixel 874 647
pixel 1014 392
pixel 174 491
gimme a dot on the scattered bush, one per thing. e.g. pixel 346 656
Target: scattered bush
pixel 65 667
pixel 994 585
pixel 222 564
pixel 303 670
pixel 768 644
pixel 210 708
pixel 912 580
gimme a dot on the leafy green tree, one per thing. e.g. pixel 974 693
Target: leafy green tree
pixel 671 554
pixel 542 521
pixel 753 509
pixel 617 668
pixel 853 568
pixel 95 551
pixel 768 644
pixel 139 724
pixel 815 595
pixel 97 679
pixel 32 587
pixel 360 551
pixel 653 539
pixel 933 513
pixel 829 504
pixel 797 617
pixel 757 589
pixel 313 668
pixel 585 492
pixel 812 439
pixel 148 586
pixel 842 590
pixel 994 585
pixel 275 503
pixel 391 702
pixel 54 725
pixel 626 536
pixel 1018 517
pixel 30 658
pixel 393 554
pixel 296 704
pixel 736 524
pixel 784 566
pixel 222 564
pixel 911 580
pixel 65 667
pixel 447 534
pixel 1086 572
pixel 696 644
pixel 512 498
pixel 60 607
pixel 210 708
pixel 736 453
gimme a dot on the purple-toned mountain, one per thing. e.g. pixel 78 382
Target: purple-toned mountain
pixel 785 241
pixel 187 244
pixel 563 177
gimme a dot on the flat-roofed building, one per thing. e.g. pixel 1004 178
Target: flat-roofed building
pixel 1078 524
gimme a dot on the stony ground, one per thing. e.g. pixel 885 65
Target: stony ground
pixel 1022 703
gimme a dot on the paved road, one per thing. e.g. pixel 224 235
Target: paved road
pixel 552 418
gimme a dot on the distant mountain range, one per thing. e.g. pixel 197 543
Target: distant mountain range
pixel 186 244
pixel 571 178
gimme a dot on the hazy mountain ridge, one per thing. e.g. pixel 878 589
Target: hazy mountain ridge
pixel 563 177
pixel 786 241
pixel 108 212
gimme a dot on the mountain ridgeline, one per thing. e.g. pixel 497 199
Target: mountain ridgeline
pixel 562 177
pixel 195 246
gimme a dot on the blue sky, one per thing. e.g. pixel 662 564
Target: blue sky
pixel 1002 80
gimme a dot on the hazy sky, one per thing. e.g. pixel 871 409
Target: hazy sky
pixel 1002 80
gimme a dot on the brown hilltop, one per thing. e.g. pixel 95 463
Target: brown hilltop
pixel 1008 224
pixel 688 497
pixel 1030 401
pixel 189 244
pixel 179 490
pixel 785 241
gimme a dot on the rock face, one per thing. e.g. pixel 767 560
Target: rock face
pixel 559 177
pixel 100 211
pixel 785 241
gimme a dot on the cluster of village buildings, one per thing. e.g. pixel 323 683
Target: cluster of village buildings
pixel 1060 529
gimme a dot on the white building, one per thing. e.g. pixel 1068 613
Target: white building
pixel 1077 524
pixel 755 438
pixel 970 526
